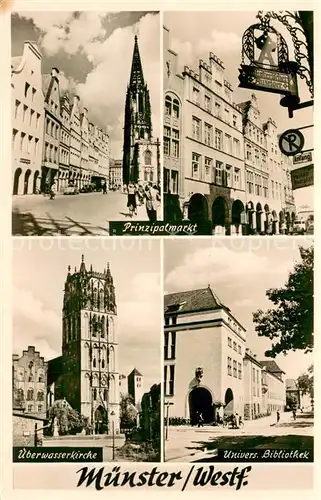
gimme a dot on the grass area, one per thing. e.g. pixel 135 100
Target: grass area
pixel 132 452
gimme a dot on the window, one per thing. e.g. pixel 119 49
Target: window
pixel 196 128
pixel 167 145
pixel 229 366
pixel 236 148
pixel 175 143
pixel 239 349
pixel 248 152
pixel 14 137
pixel 218 172
pixel 218 139
pixel 32 113
pixel 272 184
pixel 196 96
pixel 173 345
pixel 195 165
pixel 148 157
pixel 95 394
pixel 239 370
pixel 30 395
pixel 39 408
pixel 234 346
pixel 33 94
pixel 166 190
pixel 249 182
pixel 29 143
pixel 17 108
pixel 22 141
pixel 227 115
pixel 168 106
pixel 208 167
pixel 228 144
pixel 175 108
pixel 27 86
pixel 174 175
pixel 207 103
pixel 217 109
pixel 265 188
pixel 169 382
pixel 234 120
pixel 228 174
pixel 229 341
pixel 24 112
pixel 40 396
pixel 234 368
pixel 30 408
pixel 208 133
pixel 253 374
pixel 37 120
pixel 94 362
pixel 257 157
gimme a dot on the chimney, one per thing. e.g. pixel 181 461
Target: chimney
pixel 54 72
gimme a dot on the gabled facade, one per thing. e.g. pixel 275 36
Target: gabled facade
pixel 140 150
pixel 64 143
pixel 84 157
pixel 52 126
pixel 75 142
pixel 27 120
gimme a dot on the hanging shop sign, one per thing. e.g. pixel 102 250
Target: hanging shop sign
pixel 302 177
pixel 291 142
pixel 303 157
pixel 265 63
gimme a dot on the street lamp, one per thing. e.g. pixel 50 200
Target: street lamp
pixel 112 414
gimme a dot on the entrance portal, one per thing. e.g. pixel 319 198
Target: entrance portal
pixel 229 401
pixel 219 212
pixel 100 418
pixel 200 401
pixel 197 210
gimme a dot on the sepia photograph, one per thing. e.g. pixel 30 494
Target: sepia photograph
pixel 238 350
pixel 238 121
pixel 86 347
pixel 85 91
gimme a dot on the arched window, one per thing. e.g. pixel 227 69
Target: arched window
pixel 95 394
pixel 105 394
pixel 103 363
pixel 94 362
pixel 102 333
pixel 40 396
pixel 175 108
pixel 20 395
pixel 168 106
pixel 148 157
pixel 30 395
pixel 112 359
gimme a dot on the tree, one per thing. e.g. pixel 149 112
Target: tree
pixel 128 412
pixel 290 323
pixel 69 420
pixel 305 382
pixel 291 401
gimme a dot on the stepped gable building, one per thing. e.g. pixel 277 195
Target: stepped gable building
pixel 208 375
pixel 29 382
pixel 140 150
pixel 27 120
pixel 89 378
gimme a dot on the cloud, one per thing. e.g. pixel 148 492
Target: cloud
pixel 243 303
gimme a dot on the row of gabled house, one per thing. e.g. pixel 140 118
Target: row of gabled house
pixel 222 163
pixel 52 137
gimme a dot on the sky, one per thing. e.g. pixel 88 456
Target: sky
pixel 39 273
pixel 93 52
pixel 195 34
pixel 239 271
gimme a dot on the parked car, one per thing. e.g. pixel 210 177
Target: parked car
pixel 299 227
pixel 310 229
pixel 71 190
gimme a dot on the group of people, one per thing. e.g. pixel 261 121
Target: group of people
pixel 148 195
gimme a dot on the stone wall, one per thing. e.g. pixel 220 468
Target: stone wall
pixel 24 429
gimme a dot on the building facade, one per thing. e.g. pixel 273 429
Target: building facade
pixel 30 382
pixel 140 149
pixel 208 375
pixel 136 387
pixel 115 174
pixel 27 120
pixel 273 387
pixel 252 386
pixel 89 377
pixel 64 156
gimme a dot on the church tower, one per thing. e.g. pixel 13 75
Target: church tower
pixel 90 380
pixel 140 151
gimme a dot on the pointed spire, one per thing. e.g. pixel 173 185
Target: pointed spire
pixel 136 75
pixel 108 274
pixel 82 265
pixel 69 269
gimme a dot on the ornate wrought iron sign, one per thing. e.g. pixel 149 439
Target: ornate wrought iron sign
pixel 265 63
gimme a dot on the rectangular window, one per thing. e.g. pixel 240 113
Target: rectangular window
pixel 229 366
pixel 234 120
pixel 229 341
pixel 17 108
pixel 208 103
pixel 171 380
pixel 253 374
pixel 208 133
pixel 239 366
pixel 218 172
pixel 218 139
pixel 248 152
pixel 174 175
pixel 236 178
pixel 166 338
pixel 228 170
pixel 167 131
pixel 173 345
pixel 166 190
pixel 234 346
pixel 196 128
pixel 239 349
pixel 234 368
pixel 236 148
pixel 228 144
pixel 167 146
pixel 195 165
pixel 196 96
pixel 175 148
pixel 218 112
pixel 227 115
pixel 208 165
pixel 265 188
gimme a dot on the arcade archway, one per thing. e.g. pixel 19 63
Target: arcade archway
pixel 201 401
pixel 219 212
pixel 16 180
pixel 197 210
pixel 237 210
pixel 259 218
pixel 26 181
pixel 100 420
pixel 229 401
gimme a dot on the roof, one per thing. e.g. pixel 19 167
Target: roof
pixel 46 79
pixel 203 299
pixel 15 61
pixel 135 372
pixel 271 366
pixel 290 384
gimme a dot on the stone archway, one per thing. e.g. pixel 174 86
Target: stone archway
pixel 259 218
pixel 201 401
pixel 250 216
pixel 281 222
pixel 197 210
pixel 35 182
pixel 100 419
pixel 229 401
pixel 26 181
pixel 274 222
pixel 16 180
pixel 266 218
pixel 219 212
pixel 237 210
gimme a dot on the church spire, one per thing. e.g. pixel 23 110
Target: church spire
pixel 136 75
pixel 82 265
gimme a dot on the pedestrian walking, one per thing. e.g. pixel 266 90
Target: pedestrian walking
pixel 294 414
pixel 104 187
pixel 277 417
pixel 200 420
pixel 131 199
pixel 151 195
pixel 53 191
